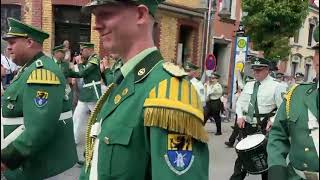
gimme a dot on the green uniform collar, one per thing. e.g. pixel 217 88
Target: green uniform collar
pixel 129 66
pixel 56 61
pixel 37 56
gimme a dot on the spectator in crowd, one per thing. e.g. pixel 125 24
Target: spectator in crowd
pixel 10 66
pixel 299 78
pixel 214 106
pixel 67 55
pixel 3 72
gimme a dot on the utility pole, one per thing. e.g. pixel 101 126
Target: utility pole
pixel 208 33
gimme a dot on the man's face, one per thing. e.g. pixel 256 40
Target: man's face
pixel 116 25
pixel 260 73
pixel 85 52
pixel 66 44
pixel 59 55
pixel 213 79
pixel 17 49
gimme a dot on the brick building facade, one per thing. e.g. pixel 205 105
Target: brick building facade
pixel 46 14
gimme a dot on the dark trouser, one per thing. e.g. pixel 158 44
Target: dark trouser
pixel 235 132
pixel 217 119
pixel 239 172
pixel 213 109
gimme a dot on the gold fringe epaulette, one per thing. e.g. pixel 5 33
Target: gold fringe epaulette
pixel 174 105
pixel 176 121
pixel 43 76
pixel 94 60
pixel 288 98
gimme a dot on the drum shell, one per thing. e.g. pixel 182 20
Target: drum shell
pixel 255 159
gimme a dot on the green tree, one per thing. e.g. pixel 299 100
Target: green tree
pixel 271 23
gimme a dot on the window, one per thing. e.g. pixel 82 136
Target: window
pixel 294 68
pixel 296 37
pixel 308 69
pixel 310 37
pixel 71 25
pixel 307 72
pixel 295 60
pixel 225 8
pixel 9 10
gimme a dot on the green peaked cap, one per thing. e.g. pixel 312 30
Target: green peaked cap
pixel 20 29
pixel 58 48
pixel 190 66
pixel 216 75
pixel 151 4
pixel 257 62
pixel 86 45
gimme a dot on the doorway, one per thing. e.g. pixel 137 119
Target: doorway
pixel 71 25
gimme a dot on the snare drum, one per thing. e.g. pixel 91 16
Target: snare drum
pixel 253 154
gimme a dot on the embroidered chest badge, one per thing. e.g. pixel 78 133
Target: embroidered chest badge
pixel 41 99
pixel 179 155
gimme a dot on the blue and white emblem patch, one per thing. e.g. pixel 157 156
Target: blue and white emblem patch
pixel 41 99
pixel 179 155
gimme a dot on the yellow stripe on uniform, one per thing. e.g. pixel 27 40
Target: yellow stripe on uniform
pixel 152 93
pixel 185 92
pixel 49 76
pixel 94 61
pixel 38 72
pixel 43 76
pixel 33 75
pixel 194 98
pixel 174 89
pixel 162 89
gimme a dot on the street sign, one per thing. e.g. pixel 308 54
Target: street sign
pixel 211 62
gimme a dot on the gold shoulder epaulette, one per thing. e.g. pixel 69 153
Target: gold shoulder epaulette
pixel 174 70
pixel 288 98
pixel 94 60
pixel 174 105
pixel 43 76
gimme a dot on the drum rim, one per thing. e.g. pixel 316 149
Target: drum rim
pixel 245 150
pixel 259 172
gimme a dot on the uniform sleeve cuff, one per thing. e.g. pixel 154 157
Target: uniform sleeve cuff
pixel 11 157
pixel 278 172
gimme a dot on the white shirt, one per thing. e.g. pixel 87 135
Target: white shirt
pixel 199 88
pixel 269 96
pixel 213 91
pixel 8 64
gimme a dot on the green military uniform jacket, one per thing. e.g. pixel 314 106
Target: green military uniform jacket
pixel 46 144
pixel 64 67
pixel 90 72
pixel 151 128
pixel 290 135
pixel 109 73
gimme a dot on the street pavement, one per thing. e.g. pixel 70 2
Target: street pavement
pixel 221 158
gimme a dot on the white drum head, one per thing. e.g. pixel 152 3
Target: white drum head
pixel 250 142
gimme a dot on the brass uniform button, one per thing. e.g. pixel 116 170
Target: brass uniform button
pixel 306 149
pixel 305 165
pixel 106 140
pixel 125 92
pixel 117 99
